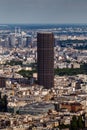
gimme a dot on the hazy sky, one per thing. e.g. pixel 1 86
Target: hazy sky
pixel 43 11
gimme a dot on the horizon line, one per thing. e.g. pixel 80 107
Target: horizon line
pixel 44 23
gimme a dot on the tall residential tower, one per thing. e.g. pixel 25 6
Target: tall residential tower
pixel 45 59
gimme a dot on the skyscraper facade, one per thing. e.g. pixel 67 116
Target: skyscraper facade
pixel 45 59
pixel 12 40
pixel 28 41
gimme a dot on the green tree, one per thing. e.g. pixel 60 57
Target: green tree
pixel 5 103
pixel 26 73
pixel 80 122
pixel 14 62
pixel 74 125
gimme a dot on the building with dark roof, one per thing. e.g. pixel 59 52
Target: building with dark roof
pixel 2 82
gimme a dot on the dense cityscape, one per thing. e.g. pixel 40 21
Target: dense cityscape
pixel 45 93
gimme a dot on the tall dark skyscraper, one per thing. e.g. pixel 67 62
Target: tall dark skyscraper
pixel 45 59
